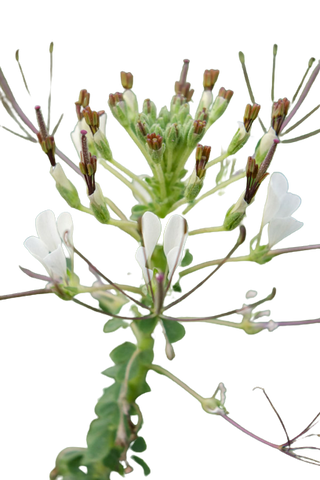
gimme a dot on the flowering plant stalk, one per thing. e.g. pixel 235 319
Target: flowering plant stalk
pixel 166 138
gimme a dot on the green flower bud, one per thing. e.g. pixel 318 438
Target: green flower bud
pixel 66 189
pixel 219 105
pixel 205 102
pixel 196 133
pixel 172 136
pixel 130 100
pixel 102 145
pixel 99 206
pixel 184 111
pixel 150 110
pixel 264 145
pixel 164 114
pixel 193 187
pixel 239 140
pixel 235 214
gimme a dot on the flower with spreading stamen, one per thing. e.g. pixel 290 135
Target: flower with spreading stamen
pixel 82 125
pixel 175 236
pixel 47 247
pixel 279 207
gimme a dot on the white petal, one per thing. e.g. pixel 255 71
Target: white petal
pixel 36 247
pixel 278 186
pixel 280 228
pixel 55 264
pixel 289 203
pixel 141 259
pixel 103 123
pixel 151 229
pixel 59 176
pixel 175 234
pixel 47 229
pixel 65 226
pixel 173 260
pixel 76 135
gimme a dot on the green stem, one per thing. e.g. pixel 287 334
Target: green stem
pixel 163 371
pixel 195 268
pixel 222 185
pixel 178 204
pixel 115 209
pixel 207 230
pixel 128 227
pixel 127 288
pixel 133 176
pixel 82 208
pixel 160 177
pixel 217 160
pixel 183 159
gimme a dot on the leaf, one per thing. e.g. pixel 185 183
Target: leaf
pixel 147 326
pixel 123 352
pixel 138 211
pixel 176 332
pixel 112 326
pixel 102 435
pixel 139 445
pixel 176 287
pixel 188 257
pixel 144 465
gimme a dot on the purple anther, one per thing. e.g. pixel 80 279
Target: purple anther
pixel 83 132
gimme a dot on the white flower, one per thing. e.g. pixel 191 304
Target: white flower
pixel 279 207
pixel 82 125
pixel 47 247
pixel 175 236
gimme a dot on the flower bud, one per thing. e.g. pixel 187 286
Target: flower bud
pixel 219 105
pixel 102 145
pixel 196 132
pixel 98 205
pixel 118 108
pixel 193 187
pixel 172 136
pixel 132 105
pixel 264 145
pixel 126 80
pixel 239 139
pixel 66 189
pixel 150 110
pixel 164 114
pixel 156 147
pixel 209 79
pixel 234 214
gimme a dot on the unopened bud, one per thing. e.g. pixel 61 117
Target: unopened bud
pixel 196 132
pixel 154 141
pixel 209 78
pixel 132 105
pixel 66 189
pixel 84 100
pixel 279 113
pixel 264 144
pixel 239 139
pixel 219 105
pixel 126 80
pixel 150 110
pixel 98 205
pixel 250 114
pixel 235 214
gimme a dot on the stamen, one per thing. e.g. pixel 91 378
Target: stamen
pixel 21 71
pixel 275 51
pixel 49 99
pixel 310 63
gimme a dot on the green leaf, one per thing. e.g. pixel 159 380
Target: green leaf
pixel 147 326
pixel 139 445
pixel 112 461
pixel 76 468
pixel 123 352
pixel 138 211
pixel 144 465
pixel 102 435
pixel 114 325
pixel 174 330
pixel 187 259
pixel 109 372
pixel 108 393
pixel 176 287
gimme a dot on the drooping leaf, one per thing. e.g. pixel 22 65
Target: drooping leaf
pixel 176 287
pixel 174 330
pixel 114 324
pixel 142 463
pixel 187 259
pixel 139 445
pixel 123 352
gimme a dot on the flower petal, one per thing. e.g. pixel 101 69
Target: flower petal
pixel 76 135
pixel 278 186
pixel 36 247
pixel 47 229
pixel 175 234
pixel 280 228
pixel 141 258
pixel 151 229
pixel 56 265
pixel 289 203
pixel 103 123
pixel 65 229
pixel 173 260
